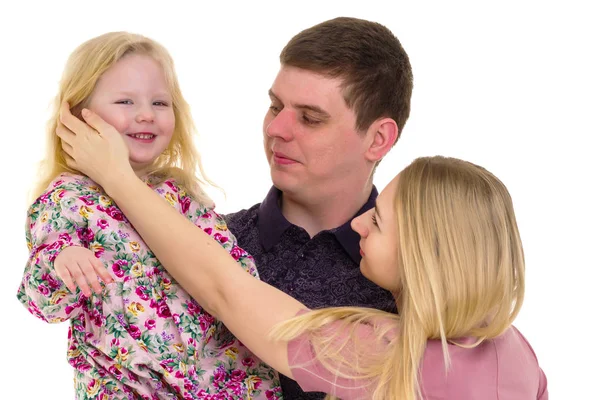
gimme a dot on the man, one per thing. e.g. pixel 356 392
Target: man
pixel 338 105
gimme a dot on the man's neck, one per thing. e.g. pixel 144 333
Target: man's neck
pixel 325 212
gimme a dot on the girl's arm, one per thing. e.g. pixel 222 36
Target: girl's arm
pixel 248 307
pixel 55 221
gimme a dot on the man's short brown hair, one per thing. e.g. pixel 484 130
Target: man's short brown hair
pixel 374 68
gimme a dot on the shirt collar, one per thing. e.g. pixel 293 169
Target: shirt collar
pixel 347 237
pixel 272 224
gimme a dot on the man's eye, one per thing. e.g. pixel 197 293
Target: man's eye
pixel 310 121
pixel 274 109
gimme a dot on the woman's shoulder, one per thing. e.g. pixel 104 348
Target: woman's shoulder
pixel 511 342
pixel 505 361
pixel 512 346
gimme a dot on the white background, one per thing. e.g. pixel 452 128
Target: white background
pixel 512 86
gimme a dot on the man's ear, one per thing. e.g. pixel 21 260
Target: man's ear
pixel 383 134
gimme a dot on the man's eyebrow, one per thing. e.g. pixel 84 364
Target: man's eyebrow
pixel 315 109
pixel 273 96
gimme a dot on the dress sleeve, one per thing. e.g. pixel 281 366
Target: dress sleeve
pixel 211 222
pixel 313 376
pixel 55 221
pixel 215 225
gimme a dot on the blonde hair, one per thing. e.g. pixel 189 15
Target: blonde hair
pixel 461 274
pixel 83 69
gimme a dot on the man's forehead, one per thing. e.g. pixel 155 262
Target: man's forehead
pixel 305 87
pixel 301 76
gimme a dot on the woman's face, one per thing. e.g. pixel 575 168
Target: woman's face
pixel 378 230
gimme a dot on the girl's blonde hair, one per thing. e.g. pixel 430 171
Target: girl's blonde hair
pixel 85 66
pixel 461 269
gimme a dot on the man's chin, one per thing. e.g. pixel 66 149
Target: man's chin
pixel 283 181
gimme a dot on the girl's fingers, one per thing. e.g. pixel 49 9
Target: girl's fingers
pixel 65 276
pixel 90 275
pixel 80 278
pixel 102 271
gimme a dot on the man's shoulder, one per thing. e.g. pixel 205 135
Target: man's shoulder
pixel 243 219
pixel 243 224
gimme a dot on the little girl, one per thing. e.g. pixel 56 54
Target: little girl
pixel 139 335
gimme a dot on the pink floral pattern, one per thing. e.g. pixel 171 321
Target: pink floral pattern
pixel 143 337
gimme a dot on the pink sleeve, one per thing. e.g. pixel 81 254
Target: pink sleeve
pixel 313 376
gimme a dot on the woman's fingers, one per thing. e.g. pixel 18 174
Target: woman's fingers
pixel 68 140
pixel 97 123
pixel 108 137
pixel 65 134
pixel 67 148
pixel 73 123
pixel 90 149
pixel 71 163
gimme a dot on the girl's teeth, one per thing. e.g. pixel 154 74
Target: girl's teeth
pixel 143 136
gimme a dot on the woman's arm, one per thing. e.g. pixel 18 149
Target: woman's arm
pixel 248 307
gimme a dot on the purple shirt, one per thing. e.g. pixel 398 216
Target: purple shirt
pixel 502 368
pixel 321 271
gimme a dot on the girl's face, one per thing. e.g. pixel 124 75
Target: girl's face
pixel 133 96
pixel 378 230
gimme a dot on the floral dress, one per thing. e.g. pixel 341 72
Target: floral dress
pixel 143 337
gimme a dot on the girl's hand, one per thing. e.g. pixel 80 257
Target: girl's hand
pixel 95 148
pixel 80 265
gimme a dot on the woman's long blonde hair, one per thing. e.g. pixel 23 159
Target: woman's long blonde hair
pixel 85 66
pixel 461 275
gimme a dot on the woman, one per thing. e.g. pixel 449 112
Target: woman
pixel 442 238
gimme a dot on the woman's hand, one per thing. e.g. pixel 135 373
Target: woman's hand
pixel 95 148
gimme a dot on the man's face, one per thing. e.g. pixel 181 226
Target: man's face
pixel 309 135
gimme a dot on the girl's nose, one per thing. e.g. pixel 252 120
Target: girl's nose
pixel 144 114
